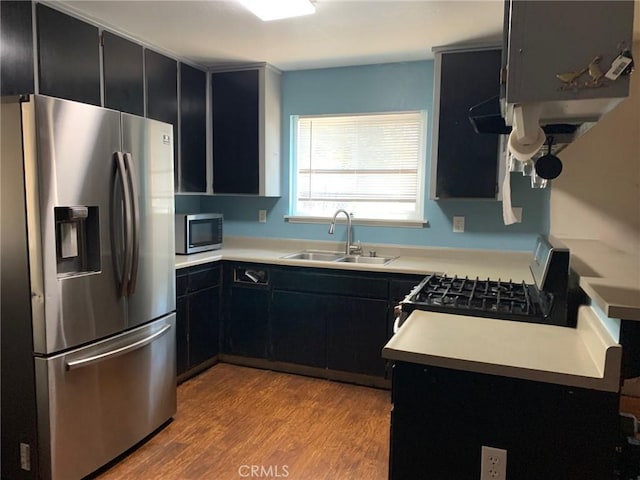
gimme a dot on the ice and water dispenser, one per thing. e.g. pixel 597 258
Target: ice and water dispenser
pixel 77 240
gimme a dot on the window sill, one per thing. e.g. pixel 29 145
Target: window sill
pixel 360 221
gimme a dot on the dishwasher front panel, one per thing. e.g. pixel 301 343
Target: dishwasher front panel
pixel 97 401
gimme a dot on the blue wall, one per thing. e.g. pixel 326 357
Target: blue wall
pixel 377 88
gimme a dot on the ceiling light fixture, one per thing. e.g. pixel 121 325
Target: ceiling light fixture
pixel 268 10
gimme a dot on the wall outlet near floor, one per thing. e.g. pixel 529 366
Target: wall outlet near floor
pixel 458 224
pixel 494 464
pixel 262 216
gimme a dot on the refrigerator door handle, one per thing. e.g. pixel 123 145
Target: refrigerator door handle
pixel 83 362
pixel 135 254
pixel 122 272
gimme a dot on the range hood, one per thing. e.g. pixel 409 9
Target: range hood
pixel 487 117
pixel 564 65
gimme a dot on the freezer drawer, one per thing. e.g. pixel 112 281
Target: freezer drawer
pixel 97 401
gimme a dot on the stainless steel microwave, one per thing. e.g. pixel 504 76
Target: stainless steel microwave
pixel 198 232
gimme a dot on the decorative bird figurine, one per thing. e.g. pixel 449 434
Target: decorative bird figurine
pixel 570 79
pixel 595 72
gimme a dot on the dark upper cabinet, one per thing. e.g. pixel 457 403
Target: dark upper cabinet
pixel 162 92
pixel 68 57
pixel 464 164
pixel 246 132
pixel 162 87
pixel 123 74
pixel 192 171
pixel 235 132
pixel 16 54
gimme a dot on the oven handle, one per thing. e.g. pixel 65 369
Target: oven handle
pixel 396 325
pixel 399 314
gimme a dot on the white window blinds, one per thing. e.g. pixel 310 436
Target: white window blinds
pixel 371 165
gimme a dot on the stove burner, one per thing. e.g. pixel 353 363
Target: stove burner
pixel 474 296
pixel 553 298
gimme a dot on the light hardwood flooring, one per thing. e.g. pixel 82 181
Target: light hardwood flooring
pixel 234 419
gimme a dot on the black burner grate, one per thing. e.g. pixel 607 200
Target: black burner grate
pixel 454 294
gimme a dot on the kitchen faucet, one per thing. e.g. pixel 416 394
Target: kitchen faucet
pixel 348 248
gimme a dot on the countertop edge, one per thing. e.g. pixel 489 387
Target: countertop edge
pixel 604 353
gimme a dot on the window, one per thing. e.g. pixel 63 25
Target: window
pixel 371 165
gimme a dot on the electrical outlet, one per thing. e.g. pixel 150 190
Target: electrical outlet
pixel 494 464
pixel 262 216
pixel 458 224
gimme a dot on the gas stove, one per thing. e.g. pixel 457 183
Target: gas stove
pixel 550 299
pixel 476 297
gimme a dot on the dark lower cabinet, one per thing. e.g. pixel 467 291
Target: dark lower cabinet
pixel 182 335
pixel 320 318
pixel 203 325
pixel 330 319
pixel 329 331
pixel 299 327
pixel 246 310
pixel 197 316
pixel 246 326
pixel 68 56
pixel 356 333
pixel 441 418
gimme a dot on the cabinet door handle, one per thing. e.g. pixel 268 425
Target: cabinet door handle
pixel 254 276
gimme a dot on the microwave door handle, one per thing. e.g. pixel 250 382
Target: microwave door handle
pixel 135 210
pixel 120 181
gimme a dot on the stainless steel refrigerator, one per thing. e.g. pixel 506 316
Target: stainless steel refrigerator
pixel 88 285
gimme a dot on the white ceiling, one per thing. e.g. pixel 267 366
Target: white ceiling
pixel 341 32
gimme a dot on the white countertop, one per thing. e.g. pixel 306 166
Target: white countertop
pixel 411 260
pixel 586 356
pixel 610 277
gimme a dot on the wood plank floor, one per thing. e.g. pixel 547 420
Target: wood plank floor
pixel 231 419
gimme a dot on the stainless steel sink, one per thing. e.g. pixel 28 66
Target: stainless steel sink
pixel 315 255
pixel 370 260
pixel 325 256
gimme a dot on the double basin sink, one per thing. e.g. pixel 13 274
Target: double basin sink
pixel 322 256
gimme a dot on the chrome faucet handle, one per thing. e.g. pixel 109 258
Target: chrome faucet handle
pixel 355 248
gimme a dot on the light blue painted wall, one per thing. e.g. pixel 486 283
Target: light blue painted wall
pixel 378 88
